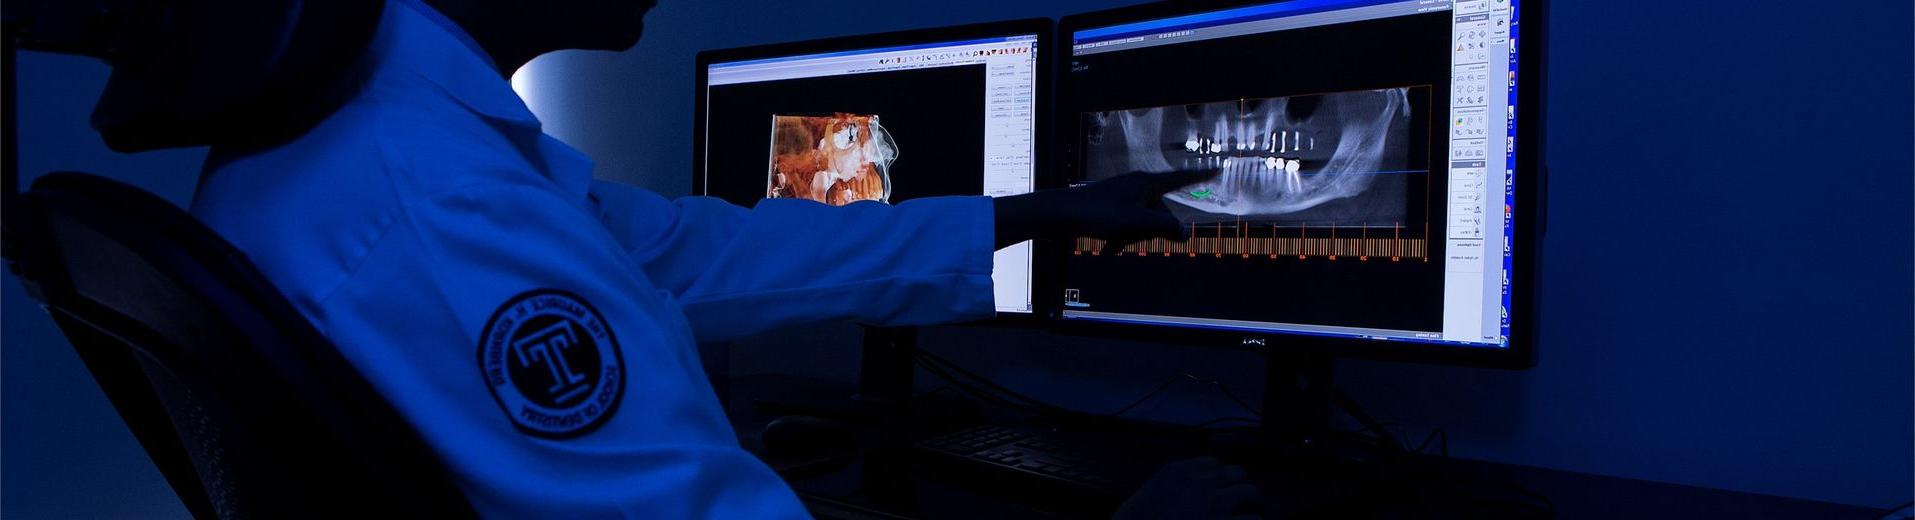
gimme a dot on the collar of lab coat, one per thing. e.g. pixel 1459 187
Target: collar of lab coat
pixel 416 40
pixel 416 44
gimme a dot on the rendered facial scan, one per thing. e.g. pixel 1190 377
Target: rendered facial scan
pixel 1337 158
pixel 837 159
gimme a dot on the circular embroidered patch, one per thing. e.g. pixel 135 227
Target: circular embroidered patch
pixel 552 364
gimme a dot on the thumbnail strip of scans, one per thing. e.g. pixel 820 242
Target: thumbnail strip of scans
pixel 1311 175
pixel 836 159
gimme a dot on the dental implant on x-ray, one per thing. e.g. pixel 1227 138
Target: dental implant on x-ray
pixel 1278 151
pixel 1315 158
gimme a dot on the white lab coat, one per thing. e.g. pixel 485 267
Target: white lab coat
pixel 537 327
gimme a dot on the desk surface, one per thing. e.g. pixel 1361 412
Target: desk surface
pixel 884 478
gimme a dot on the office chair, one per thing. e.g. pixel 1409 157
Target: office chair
pixel 246 409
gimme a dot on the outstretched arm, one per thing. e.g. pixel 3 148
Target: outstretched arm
pixel 738 271
pixel 1122 210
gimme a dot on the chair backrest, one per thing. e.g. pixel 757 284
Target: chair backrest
pixel 246 409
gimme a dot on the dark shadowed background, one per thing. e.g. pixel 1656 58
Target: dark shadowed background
pixel 1728 290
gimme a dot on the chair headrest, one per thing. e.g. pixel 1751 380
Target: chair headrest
pixel 200 72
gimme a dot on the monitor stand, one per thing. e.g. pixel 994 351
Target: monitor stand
pixel 882 402
pixel 1299 395
pixel 889 363
pixel 885 371
pixel 887 367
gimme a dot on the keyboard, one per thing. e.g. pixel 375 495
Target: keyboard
pixel 1035 455
pixel 824 508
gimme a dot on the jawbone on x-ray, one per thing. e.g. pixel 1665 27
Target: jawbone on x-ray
pixel 837 159
pixel 1319 158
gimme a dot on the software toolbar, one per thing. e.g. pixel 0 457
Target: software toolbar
pixel 1475 235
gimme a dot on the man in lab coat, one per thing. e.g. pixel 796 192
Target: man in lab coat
pixel 536 326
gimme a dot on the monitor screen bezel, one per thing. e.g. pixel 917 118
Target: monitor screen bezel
pixel 1530 215
pixel 1042 265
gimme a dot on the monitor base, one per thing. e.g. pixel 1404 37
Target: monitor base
pixel 1298 398
pixel 1297 395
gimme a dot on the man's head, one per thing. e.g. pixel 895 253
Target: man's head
pixel 515 31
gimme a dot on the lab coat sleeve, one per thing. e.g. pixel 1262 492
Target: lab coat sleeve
pixel 441 281
pixel 739 271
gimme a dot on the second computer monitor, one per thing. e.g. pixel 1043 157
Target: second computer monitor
pixel 885 118
pixel 1379 173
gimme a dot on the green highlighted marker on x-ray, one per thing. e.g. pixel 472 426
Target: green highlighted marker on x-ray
pixel 1201 194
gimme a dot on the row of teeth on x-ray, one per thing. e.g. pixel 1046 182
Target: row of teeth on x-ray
pixel 1290 165
pixel 1281 141
pixel 1211 153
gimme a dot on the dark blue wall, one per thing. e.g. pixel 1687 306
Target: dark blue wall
pixel 1728 290
pixel 63 452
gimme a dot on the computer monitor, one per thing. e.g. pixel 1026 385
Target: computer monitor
pixel 1381 184
pixel 885 117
